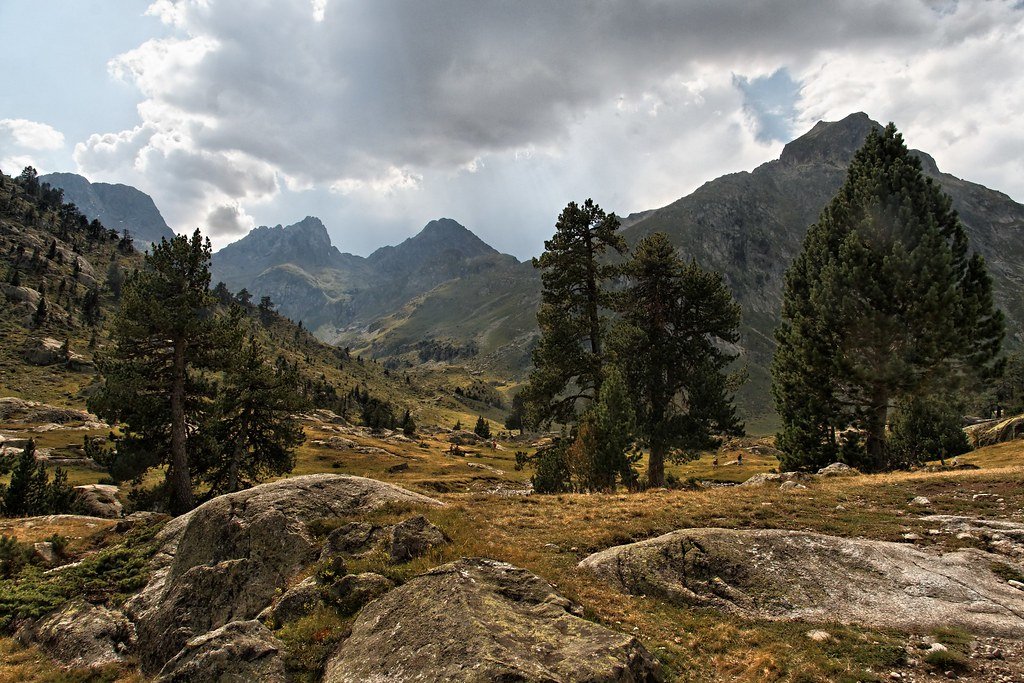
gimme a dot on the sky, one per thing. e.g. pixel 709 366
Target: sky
pixel 380 116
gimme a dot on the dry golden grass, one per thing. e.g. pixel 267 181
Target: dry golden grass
pixel 550 534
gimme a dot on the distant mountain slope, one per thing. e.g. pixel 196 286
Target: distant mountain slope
pixel 445 295
pixel 435 295
pixel 749 226
pixel 118 207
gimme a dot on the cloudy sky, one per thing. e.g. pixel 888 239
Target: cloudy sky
pixel 380 116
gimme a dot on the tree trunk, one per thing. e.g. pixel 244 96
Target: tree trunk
pixel 593 315
pixel 656 466
pixel 181 481
pixel 233 471
pixel 878 418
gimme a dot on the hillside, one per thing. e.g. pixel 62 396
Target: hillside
pixel 118 207
pixel 45 251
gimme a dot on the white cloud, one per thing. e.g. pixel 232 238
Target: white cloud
pixel 30 135
pixel 28 143
pixel 501 112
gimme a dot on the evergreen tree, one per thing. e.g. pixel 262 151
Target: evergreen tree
pixel 408 424
pixel 482 428
pixel 516 417
pixel 677 321
pixel 926 428
pixel 165 334
pixel 25 493
pixel 252 428
pixel 42 313
pixel 569 357
pixel 599 455
pixel 1008 390
pixel 884 303
pixel 91 306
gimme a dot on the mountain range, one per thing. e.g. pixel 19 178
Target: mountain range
pixel 119 207
pixel 445 295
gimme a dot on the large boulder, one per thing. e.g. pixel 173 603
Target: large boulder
pixel 776 574
pixel 996 431
pixel 228 559
pixel 238 652
pixel 81 635
pixel 482 620
pixel 413 538
pixel 50 351
pixel 99 500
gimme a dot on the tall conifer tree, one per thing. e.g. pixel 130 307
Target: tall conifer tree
pixel 165 335
pixel 884 303
pixel 677 323
pixel 568 359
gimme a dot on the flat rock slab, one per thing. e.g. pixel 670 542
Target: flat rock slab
pixel 776 574
pixel 482 620
pixel 226 560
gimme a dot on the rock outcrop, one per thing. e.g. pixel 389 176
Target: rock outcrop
pixel 482 620
pixel 239 651
pixel 19 410
pixel 776 574
pixel 996 431
pixel 81 635
pixel 99 500
pixel 413 538
pixel 50 351
pixel 226 560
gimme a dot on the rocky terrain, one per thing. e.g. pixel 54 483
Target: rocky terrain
pixel 443 566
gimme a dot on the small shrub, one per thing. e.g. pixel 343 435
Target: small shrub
pixel 947 660
pixel 13 556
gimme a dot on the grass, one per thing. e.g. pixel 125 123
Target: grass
pixel 550 534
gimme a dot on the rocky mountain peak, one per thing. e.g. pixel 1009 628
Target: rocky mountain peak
pixel 830 142
pixel 118 207
pixel 437 237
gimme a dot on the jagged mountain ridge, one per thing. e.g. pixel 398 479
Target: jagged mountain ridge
pixel 353 300
pixel 118 207
pixel 747 225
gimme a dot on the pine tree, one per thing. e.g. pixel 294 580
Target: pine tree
pixel 482 428
pixel 408 424
pixel 677 321
pixel 883 304
pixel 599 455
pixel 253 430
pixel 42 313
pixel 165 334
pixel 24 494
pixel 569 357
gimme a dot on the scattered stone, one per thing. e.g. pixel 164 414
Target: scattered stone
pixel 777 574
pixel 46 553
pixel 1016 584
pixel 838 469
pixel 226 560
pixel 81 635
pixel 938 647
pixel 413 538
pixel 400 467
pixel 298 601
pixel 238 651
pixel 913 537
pixel 354 538
pixel 99 500
pixel 791 485
pixel 919 500
pixel 482 620
pixel 819 636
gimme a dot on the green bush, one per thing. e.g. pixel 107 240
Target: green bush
pixel 926 428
